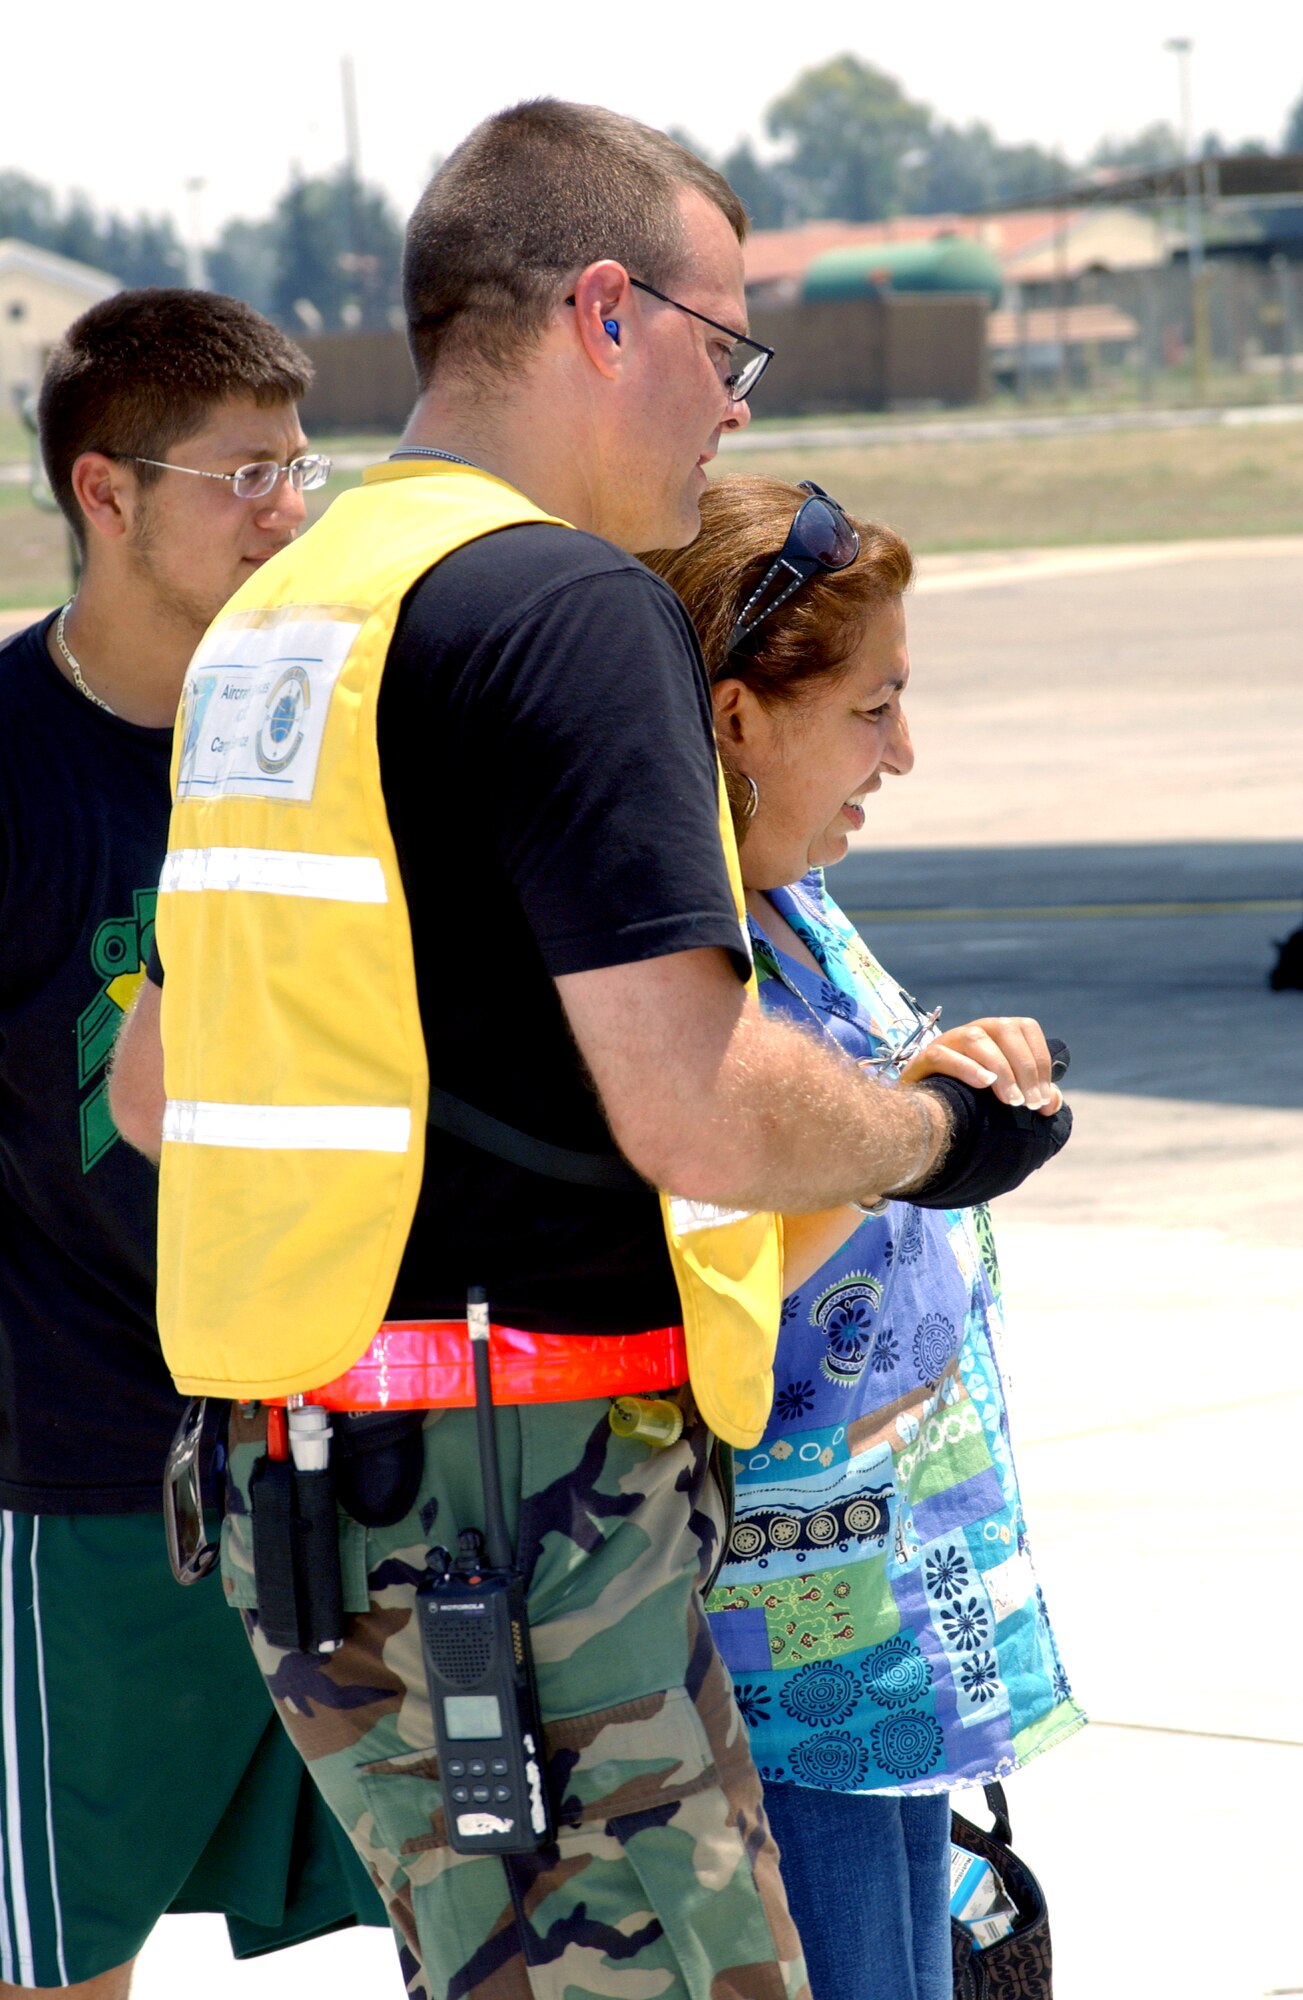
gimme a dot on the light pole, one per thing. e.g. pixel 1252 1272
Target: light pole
pixel 196 275
pixel 1182 48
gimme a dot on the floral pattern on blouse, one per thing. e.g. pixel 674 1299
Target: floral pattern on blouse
pixel 877 1607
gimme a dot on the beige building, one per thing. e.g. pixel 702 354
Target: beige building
pixel 40 295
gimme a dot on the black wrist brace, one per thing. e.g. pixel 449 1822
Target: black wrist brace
pixel 993 1147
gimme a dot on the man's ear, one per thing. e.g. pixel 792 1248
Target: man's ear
pixel 105 490
pixel 603 296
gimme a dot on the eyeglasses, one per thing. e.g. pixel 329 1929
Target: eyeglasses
pixel 747 358
pixel 189 1551
pixel 821 538
pixel 255 482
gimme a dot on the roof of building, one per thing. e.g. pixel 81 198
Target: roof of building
pixel 1073 326
pixel 37 263
pixel 1021 241
pixel 1228 176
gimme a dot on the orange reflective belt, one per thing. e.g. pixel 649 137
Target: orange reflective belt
pixel 425 1364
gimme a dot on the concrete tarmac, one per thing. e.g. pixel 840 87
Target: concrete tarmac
pixel 1105 829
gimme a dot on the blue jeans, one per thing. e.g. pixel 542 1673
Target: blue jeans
pixel 868 1884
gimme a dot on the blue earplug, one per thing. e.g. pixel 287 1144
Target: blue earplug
pixel 612 326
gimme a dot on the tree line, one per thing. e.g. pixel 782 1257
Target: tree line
pixel 327 255
pixel 850 144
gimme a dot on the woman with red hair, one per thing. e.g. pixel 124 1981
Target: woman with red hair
pixel 877 1604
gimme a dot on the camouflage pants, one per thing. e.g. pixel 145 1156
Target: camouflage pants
pixel 663 1883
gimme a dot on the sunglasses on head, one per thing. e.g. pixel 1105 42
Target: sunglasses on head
pixel 820 540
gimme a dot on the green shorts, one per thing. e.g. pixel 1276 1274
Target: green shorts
pixel 142 1769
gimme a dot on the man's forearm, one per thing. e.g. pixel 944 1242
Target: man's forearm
pixel 799 1128
pixel 712 1099
pixel 136 1095
pixel 818 1133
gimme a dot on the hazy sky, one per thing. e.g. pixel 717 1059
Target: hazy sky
pixel 131 101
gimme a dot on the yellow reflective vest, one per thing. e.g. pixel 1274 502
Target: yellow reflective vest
pixel 294 1063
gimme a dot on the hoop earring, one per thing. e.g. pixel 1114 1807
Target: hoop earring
pixel 753 799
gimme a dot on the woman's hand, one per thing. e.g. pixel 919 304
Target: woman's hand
pixel 1003 1053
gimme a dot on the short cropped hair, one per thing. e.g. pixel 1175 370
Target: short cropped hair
pixel 536 193
pixel 140 372
pixel 807 642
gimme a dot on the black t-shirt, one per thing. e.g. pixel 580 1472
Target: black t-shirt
pixel 86 1404
pixel 548 764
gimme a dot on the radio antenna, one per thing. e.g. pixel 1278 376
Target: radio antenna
pixel 497 1542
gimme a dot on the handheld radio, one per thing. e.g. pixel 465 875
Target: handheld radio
pixel 478 1663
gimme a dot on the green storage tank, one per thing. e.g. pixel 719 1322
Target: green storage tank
pixel 936 264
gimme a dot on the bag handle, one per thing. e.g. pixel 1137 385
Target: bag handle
pixel 998 1807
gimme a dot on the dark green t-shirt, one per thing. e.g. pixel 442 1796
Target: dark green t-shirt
pixel 87 1407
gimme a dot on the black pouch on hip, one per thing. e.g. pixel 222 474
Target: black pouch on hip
pixel 296 1556
pixel 378 1459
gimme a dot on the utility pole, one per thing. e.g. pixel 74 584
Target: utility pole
pixel 1182 48
pixel 1285 298
pixel 352 258
pixel 195 274
pixel 352 144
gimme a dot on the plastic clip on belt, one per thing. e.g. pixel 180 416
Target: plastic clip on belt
pixel 426 1364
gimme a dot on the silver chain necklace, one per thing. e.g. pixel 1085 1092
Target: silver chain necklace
pixel 429 451
pixel 79 679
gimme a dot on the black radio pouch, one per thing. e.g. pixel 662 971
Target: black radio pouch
pixel 296 1556
pixel 378 1459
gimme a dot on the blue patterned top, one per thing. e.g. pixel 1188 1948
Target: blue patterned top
pixel 877 1607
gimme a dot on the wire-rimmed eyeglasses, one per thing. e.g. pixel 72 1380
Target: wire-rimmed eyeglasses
pixel 747 358
pixel 821 538
pixel 256 481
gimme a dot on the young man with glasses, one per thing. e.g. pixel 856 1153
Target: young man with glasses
pixel 527 890
pixel 141 1768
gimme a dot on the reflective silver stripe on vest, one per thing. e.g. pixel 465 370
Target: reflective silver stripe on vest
pixel 320 1128
pixel 272 871
pixel 689 1216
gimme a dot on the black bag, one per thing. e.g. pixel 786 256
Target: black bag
pixel 1287 973
pixel 1016 1967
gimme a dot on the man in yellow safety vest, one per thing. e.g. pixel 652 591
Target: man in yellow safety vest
pixel 455 982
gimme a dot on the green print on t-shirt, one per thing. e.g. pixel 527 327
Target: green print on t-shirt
pixel 119 952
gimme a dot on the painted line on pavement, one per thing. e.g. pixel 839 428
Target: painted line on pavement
pixel 962 913
pixel 1207 1735
pixel 1044 566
